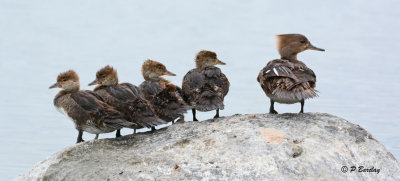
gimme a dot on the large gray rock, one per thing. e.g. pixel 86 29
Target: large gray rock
pixel 310 146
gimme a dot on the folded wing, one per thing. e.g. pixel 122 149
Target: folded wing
pixel 288 80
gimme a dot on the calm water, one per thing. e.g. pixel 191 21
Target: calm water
pixel 358 76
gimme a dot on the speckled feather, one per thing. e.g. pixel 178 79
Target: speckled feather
pixel 128 99
pixel 89 112
pixel 286 80
pixel 165 98
pixel 206 88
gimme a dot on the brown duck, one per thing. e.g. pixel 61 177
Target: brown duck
pixel 288 80
pixel 205 86
pixel 166 98
pixel 126 98
pixel 85 108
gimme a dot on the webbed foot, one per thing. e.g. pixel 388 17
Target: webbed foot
pixel 273 111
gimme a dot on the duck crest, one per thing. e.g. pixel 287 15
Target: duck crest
pixel 68 75
pixel 107 76
pixel 68 81
pixel 152 70
pixel 203 57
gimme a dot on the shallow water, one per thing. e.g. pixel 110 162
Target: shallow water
pixel 357 76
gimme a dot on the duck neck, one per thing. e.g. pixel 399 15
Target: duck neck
pixel 155 78
pixel 203 66
pixel 290 57
pixel 288 53
pixel 72 88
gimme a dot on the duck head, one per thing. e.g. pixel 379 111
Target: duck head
pixel 68 81
pixel 207 59
pixel 106 76
pixel 289 45
pixel 153 70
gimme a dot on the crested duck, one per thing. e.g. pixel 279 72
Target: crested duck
pixel 165 97
pixel 126 98
pixel 205 86
pixel 288 80
pixel 85 108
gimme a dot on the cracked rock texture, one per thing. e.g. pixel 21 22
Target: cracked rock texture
pixel 311 146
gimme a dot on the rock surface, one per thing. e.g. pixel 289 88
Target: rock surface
pixel 312 146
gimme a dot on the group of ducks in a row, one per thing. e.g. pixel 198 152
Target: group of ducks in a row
pixel 112 105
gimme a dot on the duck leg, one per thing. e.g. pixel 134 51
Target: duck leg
pixel 118 133
pixel 97 137
pixel 194 115
pixel 302 106
pixel 217 114
pixel 134 130
pixel 79 139
pixel 271 108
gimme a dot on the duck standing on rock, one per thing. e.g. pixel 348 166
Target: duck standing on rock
pixel 288 80
pixel 205 86
pixel 166 98
pixel 126 98
pixel 85 108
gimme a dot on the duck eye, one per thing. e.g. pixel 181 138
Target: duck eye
pixel 159 67
pixel 103 76
pixel 302 41
pixel 64 79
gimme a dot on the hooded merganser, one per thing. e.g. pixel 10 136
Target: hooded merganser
pixel 165 97
pixel 126 98
pixel 205 87
pixel 288 80
pixel 86 108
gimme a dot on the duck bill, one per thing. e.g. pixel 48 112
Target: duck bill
pixel 168 73
pixel 95 82
pixel 219 62
pixel 55 85
pixel 312 47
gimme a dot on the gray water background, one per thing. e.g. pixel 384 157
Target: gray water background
pixel 358 75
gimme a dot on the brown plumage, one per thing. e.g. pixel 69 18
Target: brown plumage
pixel 166 98
pixel 288 80
pixel 86 109
pixel 126 98
pixel 205 86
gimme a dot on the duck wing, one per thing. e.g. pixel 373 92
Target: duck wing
pixel 94 109
pixel 169 103
pixel 150 89
pixel 142 110
pixel 191 84
pixel 205 89
pixel 290 80
pixel 135 89
pixel 68 106
pixel 166 101
pixel 215 77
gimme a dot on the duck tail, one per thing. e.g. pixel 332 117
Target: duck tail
pixel 119 123
pixel 300 92
pixel 149 122
pixel 210 98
